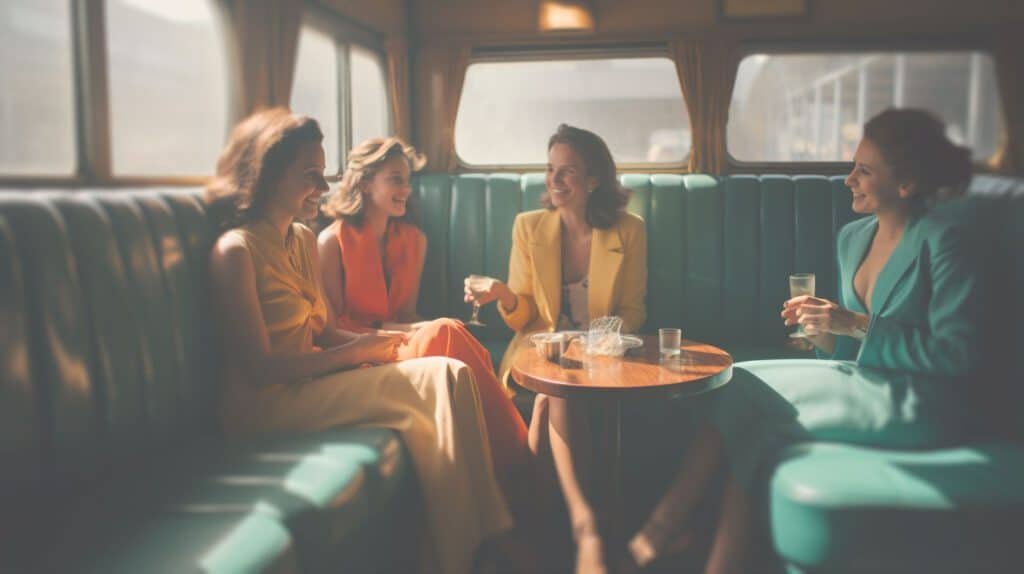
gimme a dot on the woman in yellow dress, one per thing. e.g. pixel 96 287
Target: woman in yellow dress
pixel 288 369
pixel 582 257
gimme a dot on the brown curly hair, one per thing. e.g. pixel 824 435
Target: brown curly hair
pixel 609 198
pixel 364 161
pixel 260 149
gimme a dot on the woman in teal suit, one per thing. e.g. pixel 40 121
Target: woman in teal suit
pixel 896 347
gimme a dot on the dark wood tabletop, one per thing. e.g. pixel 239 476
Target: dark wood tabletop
pixel 699 367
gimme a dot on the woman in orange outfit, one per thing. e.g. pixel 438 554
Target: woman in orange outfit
pixel 372 257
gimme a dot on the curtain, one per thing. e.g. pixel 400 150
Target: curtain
pixel 398 86
pixel 266 39
pixel 1010 74
pixel 440 72
pixel 707 70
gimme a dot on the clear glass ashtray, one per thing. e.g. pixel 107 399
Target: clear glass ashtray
pixel 610 344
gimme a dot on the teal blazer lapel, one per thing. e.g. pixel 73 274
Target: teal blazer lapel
pixel 852 254
pixel 899 262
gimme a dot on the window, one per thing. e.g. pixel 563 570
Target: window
pixel 37 101
pixel 811 107
pixel 168 79
pixel 340 81
pixel 509 109
pixel 315 90
pixel 370 107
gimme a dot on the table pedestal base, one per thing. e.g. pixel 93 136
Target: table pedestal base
pixel 608 492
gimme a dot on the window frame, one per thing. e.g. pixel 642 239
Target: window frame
pixel 346 34
pixel 91 130
pixel 506 54
pixel 92 126
pixel 747 49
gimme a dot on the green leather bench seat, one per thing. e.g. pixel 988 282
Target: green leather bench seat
pixel 333 495
pixel 113 461
pixel 220 543
pixel 844 509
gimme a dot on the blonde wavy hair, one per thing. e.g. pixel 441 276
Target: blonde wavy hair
pixel 364 162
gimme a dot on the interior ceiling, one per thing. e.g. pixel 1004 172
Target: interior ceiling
pixel 431 18
pixel 385 16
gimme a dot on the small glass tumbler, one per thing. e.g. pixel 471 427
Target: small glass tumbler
pixel 669 342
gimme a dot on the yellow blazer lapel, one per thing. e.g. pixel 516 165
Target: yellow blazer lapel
pixel 606 252
pixel 546 252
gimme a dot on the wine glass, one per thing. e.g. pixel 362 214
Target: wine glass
pixel 800 284
pixel 478 284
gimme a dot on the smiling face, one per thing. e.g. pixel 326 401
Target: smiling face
pixel 874 187
pixel 389 189
pixel 298 192
pixel 568 183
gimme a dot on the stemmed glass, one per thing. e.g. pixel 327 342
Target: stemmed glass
pixel 800 284
pixel 477 284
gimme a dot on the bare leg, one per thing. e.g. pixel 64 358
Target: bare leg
pixel 733 539
pixel 552 537
pixel 665 532
pixel 571 448
pixel 537 435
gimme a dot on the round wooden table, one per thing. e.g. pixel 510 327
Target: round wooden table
pixel 640 373
pixel 606 382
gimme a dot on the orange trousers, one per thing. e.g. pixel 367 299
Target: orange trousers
pixel 505 427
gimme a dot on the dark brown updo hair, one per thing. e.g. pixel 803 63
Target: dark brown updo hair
pixel 609 198
pixel 255 158
pixel 348 203
pixel 914 144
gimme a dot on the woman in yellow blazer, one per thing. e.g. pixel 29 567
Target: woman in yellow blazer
pixel 581 257
pixel 617 278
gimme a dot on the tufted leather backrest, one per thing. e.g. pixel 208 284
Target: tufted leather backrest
pixel 102 343
pixel 720 249
pixel 998 215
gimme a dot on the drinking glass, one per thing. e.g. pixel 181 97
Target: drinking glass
pixel 800 284
pixel 478 284
pixel 669 341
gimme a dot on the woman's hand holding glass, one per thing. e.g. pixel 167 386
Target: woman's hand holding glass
pixel 820 316
pixel 478 289
pixel 481 290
